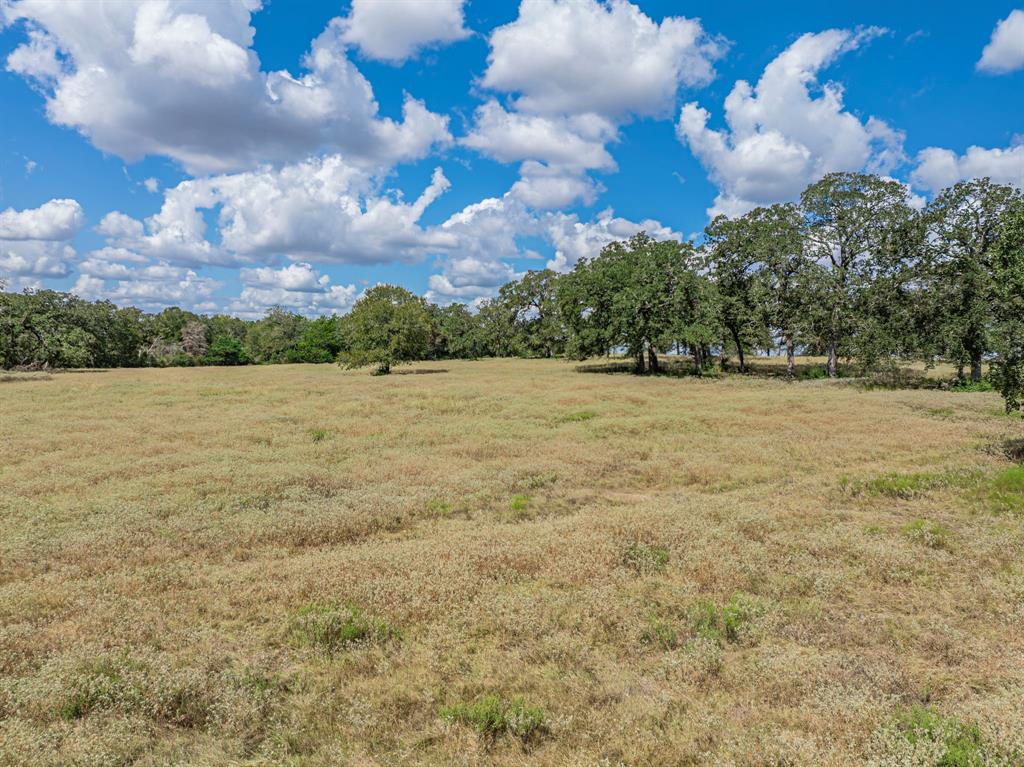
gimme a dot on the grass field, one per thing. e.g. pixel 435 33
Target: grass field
pixel 508 563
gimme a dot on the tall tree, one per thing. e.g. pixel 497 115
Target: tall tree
pixel 531 302
pixel 1007 328
pixel 848 220
pixel 387 326
pixel 964 231
pixel 731 259
pixel 641 296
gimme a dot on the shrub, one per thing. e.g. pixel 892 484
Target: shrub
pixel 519 502
pixel 491 716
pixel 909 486
pixel 645 559
pixel 226 351
pixel 728 623
pixel 972 386
pixel 961 744
pixel 661 633
pixel 931 534
pixel 318 435
pixel 329 627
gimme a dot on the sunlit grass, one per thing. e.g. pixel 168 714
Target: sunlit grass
pixel 508 563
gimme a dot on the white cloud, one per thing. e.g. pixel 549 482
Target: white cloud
pixel 574 239
pixel 298 287
pixel 179 78
pixel 1005 51
pixel 396 30
pixel 469 278
pixel 53 220
pixel 152 185
pixel 35 258
pixel 781 136
pixel 938 168
pixel 545 187
pixel 151 288
pixel 575 141
pixel 579 56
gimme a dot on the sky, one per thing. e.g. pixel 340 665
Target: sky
pixel 232 155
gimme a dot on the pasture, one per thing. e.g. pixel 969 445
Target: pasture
pixel 506 562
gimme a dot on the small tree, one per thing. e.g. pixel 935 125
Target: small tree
pixel 387 326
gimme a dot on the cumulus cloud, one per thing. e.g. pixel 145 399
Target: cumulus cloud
pixel 789 129
pixel 297 287
pixel 937 168
pixel 35 258
pixel 574 239
pixel 53 220
pixel 396 30
pixel 579 56
pixel 1005 51
pixel 321 208
pixel 544 187
pixel 150 288
pixel 575 141
pixel 180 78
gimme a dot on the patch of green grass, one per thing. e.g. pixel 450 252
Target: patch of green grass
pixel 318 435
pixel 577 417
pixel 645 559
pixel 519 502
pixel 940 412
pixel 909 486
pixel 1007 491
pixel 440 507
pixel 972 386
pixel 961 744
pixel 98 685
pixel 491 716
pixel 330 627
pixel 661 633
pixel 728 623
pixel 931 534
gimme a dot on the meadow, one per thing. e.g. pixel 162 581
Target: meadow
pixel 506 562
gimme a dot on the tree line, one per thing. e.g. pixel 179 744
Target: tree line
pixel 851 272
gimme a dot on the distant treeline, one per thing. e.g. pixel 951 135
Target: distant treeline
pixel 850 272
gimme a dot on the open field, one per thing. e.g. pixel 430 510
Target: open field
pixel 297 565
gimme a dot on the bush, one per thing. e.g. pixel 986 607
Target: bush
pixel 728 623
pixel 329 627
pixel 961 744
pixel 931 534
pixel 227 351
pixel 491 716
pixel 646 560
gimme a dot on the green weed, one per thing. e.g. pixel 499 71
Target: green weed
pixel 960 743
pixel 330 627
pixel 646 560
pixel 931 534
pixel 491 716
pixel 1006 494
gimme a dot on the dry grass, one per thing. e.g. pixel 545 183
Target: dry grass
pixel 297 565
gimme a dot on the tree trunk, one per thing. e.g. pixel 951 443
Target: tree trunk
pixel 960 371
pixel 638 366
pixel 652 359
pixel 739 349
pixel 698 360
pixel 790 357
pixel 975 366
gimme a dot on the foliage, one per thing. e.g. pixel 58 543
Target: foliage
pixel 227 351
pixel 330 627
pixel 491 716
pixel 960 744
pixel 387 326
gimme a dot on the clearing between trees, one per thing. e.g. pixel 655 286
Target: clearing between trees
pixel 506 562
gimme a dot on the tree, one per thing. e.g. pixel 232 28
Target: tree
pixel 457 333
pixel 275 337
pixel 321 341
pixel 964 228
pixel 193 338
pixel 1007 328
pixel 731 260
pixel 532 306
pixel 387 326
pixel 642 296
pixel 848 219
pixel 226 350
pixel 787 280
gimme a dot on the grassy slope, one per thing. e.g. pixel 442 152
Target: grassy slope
pixel 507 523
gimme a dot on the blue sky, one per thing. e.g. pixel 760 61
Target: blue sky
pixel 224 156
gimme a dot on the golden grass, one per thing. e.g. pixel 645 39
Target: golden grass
pixel 502 526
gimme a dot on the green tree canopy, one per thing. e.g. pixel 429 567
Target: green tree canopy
pixel 387 326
